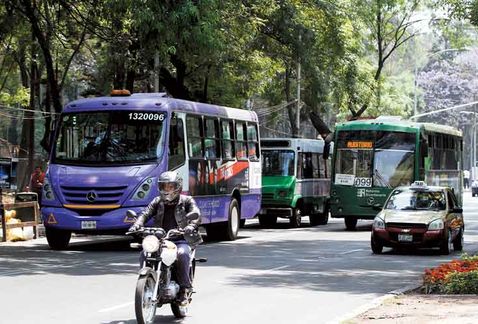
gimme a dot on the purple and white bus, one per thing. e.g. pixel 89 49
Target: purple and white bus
pixel 109 151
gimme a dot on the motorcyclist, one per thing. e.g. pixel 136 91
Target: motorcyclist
pixel 171 210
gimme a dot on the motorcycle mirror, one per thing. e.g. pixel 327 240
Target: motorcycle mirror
pixel 131 213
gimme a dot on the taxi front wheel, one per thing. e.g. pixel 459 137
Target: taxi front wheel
pixel 446 245
pixel 377 248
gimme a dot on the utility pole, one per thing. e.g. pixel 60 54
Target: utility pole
pixel 156 71
pixel 297 122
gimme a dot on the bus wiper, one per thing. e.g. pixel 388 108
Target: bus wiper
pixel 381 179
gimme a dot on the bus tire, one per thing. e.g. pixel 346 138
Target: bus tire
pixel 350 223
pixel 296 219
pixel 57 239
pixel 226 231
pixel 319 219
pixel 233 221
pixel 267 220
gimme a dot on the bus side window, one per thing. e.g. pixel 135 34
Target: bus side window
pixel 227 147
pixel 315 166
pixel 176 144
pixel 305 166
pixel 211 143
pixel 240 141
pixel 252 142
pixel 195 132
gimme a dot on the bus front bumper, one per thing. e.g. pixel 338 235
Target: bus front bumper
pixel 67 219
pixel 277 211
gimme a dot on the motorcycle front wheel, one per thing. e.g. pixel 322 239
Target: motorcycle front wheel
pixel 144 306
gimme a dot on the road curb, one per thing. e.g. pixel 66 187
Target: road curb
pixel 347 318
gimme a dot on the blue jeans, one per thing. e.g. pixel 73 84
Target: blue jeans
pixel 181 268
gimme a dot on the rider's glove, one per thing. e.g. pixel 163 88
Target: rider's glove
pixel 189 229
pixel 134 228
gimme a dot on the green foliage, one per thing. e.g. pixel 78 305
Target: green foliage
pixel 18 99
pixel 461 283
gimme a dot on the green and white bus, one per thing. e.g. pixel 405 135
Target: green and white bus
pixel 295 181
pixel 371 157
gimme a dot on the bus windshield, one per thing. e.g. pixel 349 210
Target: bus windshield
pixel 385 157
pixel 278 162
pixel 414 199
pixel 109 137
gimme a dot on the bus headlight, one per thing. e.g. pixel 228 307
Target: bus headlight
pixel 150 244
pixel 378 223
pixel 48 190
pixel 143 190
pixel 437 224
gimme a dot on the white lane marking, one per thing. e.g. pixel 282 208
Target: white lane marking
pixel 109 309
pixel 351 251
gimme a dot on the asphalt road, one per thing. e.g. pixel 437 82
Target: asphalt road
pixel 279 275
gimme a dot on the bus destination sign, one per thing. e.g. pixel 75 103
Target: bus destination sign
pixel 360 144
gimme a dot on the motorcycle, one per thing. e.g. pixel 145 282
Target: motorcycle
pixel 157 285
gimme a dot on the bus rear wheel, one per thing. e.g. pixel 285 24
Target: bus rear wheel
pixel 57 239
pixel 296 218
pixel 350 223
pixel 226 231
pixel 319 219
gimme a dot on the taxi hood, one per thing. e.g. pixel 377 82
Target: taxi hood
pixel 412 216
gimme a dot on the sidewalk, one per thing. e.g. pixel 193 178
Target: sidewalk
pixel 417 308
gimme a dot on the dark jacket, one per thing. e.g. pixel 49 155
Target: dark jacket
pixel 186 213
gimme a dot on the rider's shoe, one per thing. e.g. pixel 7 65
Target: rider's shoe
pixel 183 296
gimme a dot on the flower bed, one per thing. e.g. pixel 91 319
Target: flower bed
pixel 454 277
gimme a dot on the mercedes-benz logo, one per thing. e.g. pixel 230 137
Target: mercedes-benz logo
pixel 91 196
pixel 370 200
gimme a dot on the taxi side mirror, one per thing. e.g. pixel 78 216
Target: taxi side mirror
pixel 377 207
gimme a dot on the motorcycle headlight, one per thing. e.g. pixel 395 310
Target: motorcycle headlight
pixel 437 224
pixel 169 253
pixel 378 223
pixel 150 244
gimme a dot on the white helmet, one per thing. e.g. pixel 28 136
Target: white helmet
pixel 170 185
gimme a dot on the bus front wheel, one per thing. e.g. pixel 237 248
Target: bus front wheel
pixel 350 223
pixel 57 239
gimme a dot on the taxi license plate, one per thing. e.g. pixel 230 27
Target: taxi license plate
pixel 405 238
pixel 88 224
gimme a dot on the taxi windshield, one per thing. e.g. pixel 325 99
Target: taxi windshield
pixel 416 200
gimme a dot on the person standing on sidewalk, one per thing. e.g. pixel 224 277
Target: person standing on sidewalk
pixel 466 177
pixel 36 182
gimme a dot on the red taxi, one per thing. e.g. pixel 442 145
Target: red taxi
pixel 419 216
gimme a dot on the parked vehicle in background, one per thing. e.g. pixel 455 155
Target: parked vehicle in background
pixel 109 151
pixel 371 157
pixel 419 216
pixel 295 181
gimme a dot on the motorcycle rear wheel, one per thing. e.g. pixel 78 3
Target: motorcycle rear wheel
pixel 144 307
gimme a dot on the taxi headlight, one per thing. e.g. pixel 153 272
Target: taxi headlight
pixel 150 244
pixel 437 224
pixel 378 223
